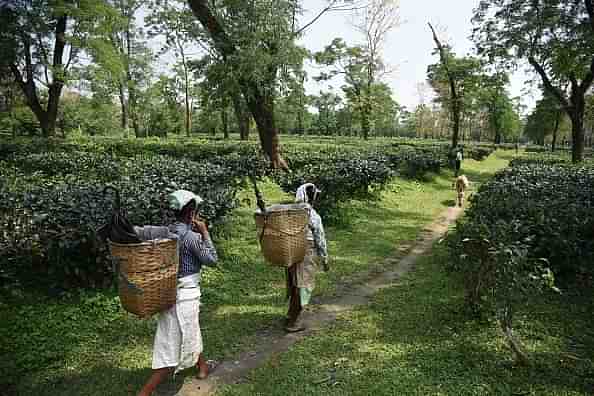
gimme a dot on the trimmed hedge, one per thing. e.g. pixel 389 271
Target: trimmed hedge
pixel 548 208
pixel 52 201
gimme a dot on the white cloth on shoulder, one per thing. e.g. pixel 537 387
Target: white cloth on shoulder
pixel 149 233
pixel 178 341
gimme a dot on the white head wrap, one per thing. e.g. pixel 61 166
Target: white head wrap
pixel 180 198
pixel 301 194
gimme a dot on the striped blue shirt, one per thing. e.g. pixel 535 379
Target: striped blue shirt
pixel 195 251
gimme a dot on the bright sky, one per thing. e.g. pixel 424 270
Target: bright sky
pixel 409 48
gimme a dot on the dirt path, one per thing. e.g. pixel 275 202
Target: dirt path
pixel 273 342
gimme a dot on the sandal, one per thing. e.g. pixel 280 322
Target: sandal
pixel 294 328
pixel 210 366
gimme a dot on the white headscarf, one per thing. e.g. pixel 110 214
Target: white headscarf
pixel 301 194
pixel 180 198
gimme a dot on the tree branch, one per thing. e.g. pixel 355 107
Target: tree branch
pixel 588 79
pixel 18 77
pixel 590 8
pixel 222 42
pixel 548 84
pixel 329 8
pixel 302 29
pixel 45 58
pixel 59 47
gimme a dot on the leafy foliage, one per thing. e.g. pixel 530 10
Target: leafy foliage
pixel 528 219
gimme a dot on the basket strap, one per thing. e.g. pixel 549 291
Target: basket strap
pixel 263 228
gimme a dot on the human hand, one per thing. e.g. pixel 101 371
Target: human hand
pixel 200 227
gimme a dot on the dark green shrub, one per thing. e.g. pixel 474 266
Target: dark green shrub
pixel 344 180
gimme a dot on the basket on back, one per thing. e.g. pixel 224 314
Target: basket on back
pixel 282 230
pixel 147 275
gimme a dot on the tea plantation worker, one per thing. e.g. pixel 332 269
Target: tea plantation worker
pixel 459 157
pixel 301 276
pixel 178 340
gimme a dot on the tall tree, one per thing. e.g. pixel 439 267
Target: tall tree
pixel 326 104
pixel 174 21
pixel 455 74
pixel 545 120
pixel 240 40
pixel 375 22
pixel 135 57
pixel 556 37
pixel 257 38
pixel 455 79
pixel 40 41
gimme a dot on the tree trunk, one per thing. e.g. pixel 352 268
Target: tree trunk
pixel 456 119
pixel 188 115
pixel 576 113
pixel 300 127
pixel 262 108
pixel 497 135
pixel 365 116
pixel 47 118
pixel 454 99
pixel 242 116
pixel 557 121
pixel 130 84
pixel 124 105
pixel 225 123
pixel 259 101
pixel 576 105
pixel 577 135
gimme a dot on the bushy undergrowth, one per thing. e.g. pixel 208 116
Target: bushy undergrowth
pixel 549 208
pixel 528 225
pixel 52 199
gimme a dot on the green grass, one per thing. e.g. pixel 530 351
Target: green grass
pixel 89 346
pixel 414 339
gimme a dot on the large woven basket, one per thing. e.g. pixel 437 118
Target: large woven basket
pixel 282 233
pixel 147 275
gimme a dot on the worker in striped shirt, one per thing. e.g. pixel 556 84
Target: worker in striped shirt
pixel 178 340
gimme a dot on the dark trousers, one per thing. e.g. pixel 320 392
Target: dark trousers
pixel 457 167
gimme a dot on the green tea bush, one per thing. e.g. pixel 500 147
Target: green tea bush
pixel 50 224
pixel 52 201
pixel 340 181
pixel 544 211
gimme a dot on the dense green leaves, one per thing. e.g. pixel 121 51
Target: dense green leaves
pixel 539 215
pixel 52 200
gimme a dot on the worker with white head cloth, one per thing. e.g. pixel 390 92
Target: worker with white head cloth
pixel 301 276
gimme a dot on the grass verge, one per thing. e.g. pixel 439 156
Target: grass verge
pixel 87 345
pixel 414 339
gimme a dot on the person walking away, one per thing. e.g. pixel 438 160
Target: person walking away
pixel 178 340
pixel 301 276
pixel 458 164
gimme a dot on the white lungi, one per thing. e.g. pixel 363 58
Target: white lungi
pixel 178 341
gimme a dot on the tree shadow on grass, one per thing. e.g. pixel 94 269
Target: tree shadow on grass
pixel 458 355
pixel 104 380
pixel 101 378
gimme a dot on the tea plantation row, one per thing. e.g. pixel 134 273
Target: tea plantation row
pixel 52 201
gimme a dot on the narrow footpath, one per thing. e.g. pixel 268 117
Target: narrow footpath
pixel 273 342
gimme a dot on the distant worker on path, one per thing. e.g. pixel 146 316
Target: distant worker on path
pixel 458 162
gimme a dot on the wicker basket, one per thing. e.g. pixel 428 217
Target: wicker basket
pixel 147 275
pixel 282 232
